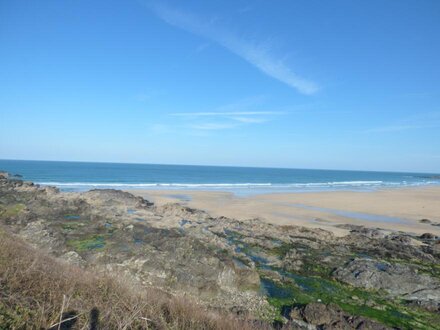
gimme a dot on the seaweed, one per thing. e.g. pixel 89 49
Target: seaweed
pixel 370 304
pixel 91 243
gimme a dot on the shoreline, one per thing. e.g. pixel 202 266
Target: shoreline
pixel 395 209
pixel 224 263
pixel 238 189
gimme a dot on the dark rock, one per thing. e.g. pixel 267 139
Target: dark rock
pixel 391 247
pixel 369 232
pixel 332 317
pixel 405 239
pixel 428 236
pixel 398 280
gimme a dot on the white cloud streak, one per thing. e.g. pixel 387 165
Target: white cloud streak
pixel 249 120
pixel 213 126
pixel 394 128
pixel 226 114
pixel 419 121
pixel 258 55
pixel 227 120
pixel 229 116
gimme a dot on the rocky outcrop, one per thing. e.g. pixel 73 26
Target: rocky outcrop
pixel 332 317
pixel 428 236
pixel 398 280
pixel 38 234
pixel 73 258
pixel 247 267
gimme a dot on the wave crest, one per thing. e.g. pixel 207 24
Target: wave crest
pixel 235 186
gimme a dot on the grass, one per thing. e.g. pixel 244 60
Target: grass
pixel 11 211
pixel 35 287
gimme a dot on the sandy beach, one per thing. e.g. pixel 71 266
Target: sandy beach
pixel 393 209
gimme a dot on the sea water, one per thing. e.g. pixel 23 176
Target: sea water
pixel 78 176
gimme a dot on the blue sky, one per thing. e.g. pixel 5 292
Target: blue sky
pixel 302 84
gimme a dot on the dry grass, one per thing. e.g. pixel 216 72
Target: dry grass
pixel 35 289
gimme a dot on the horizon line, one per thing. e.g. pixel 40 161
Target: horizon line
pixel 199 165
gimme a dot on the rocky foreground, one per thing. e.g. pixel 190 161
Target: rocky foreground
pixel 287 276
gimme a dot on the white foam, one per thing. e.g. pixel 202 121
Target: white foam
pixel 233 186
pixel 356 183
pixel 98 184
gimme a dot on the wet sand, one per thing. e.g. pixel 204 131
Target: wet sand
pixel 393 209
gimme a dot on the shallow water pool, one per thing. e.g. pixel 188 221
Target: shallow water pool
pixel 353 215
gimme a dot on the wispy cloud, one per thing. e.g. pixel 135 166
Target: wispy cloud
pixel 419 121
pixel 213 126
pixel 249 120
pixel 226 114
pixel 257 54
pixel 225 120
pixel 393 128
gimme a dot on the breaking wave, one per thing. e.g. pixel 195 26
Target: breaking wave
pixel 233 186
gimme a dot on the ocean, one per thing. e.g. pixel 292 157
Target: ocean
pixel 79 176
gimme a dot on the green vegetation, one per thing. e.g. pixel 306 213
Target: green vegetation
pixel 313 283
pixel 11 210
pixel 432 269
pixel 370 304
pixel 16 317
pixel 90 243
pixel 315 268
pixel 284 248
pixel 71 226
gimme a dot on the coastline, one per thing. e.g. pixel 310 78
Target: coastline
pixel 222 263
pixel 397 209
